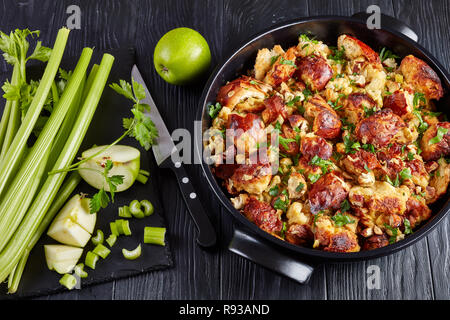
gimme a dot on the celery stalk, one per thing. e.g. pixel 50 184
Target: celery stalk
pixel 9 215
pixel 17 245
pixel 4 122
pixel 14 116
pixel 20 139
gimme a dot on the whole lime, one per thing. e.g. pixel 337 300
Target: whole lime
pixel 181 56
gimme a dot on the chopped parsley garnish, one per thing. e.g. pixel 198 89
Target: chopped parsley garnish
pixel 322 163
pixel 423 125
pixel 441 132
pixel 394 232
pixel 274 191
pixel 283 229
pixel 337 156
pixel 288 62
pixel 274 59
pixel 341 219
pixel 369 147
pixel 305 37
pixel 338 55
pixel 347 125
pixel 313 177
pixel 253 82
pixel 307 93
pixel 280 204
pixel 407 224
pixel 345 206
pixel 418 97
pixel 394 183
pixel 350 145
pixel 405 174
pixel 387 54
pixel 410 156
pixel 293 101
pixel 369 111
pixel 300 187
pixel 335 105
pixel 213 110
pixel 284 142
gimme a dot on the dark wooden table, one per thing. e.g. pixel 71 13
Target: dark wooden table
pixel 419 272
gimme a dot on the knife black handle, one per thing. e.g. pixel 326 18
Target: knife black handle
pixel 206 234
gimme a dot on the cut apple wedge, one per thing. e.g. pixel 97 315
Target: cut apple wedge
pixel 69 232
pixel 62 258
pixel 74 224
pixel 126 163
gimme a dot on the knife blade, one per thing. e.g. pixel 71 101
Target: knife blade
pixel 162 150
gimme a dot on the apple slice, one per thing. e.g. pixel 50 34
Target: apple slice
pixel 68 232
pixel 62 258
pixel 77 210
pixel 126 162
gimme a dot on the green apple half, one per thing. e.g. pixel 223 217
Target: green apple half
pixel 126 162
pixel 74 224
pixel 62 258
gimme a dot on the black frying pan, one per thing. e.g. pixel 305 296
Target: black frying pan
pixel 250 241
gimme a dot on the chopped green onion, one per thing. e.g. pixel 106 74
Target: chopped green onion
pixel 68 281
pixel 111 240
pixel 79 270
pixel 114 229
pixel 102 251
pixel 154 235
pixel 148 207
pixel 135 209
pixel 133 254
pixel 99 238
pixel 124 212
pixel 91 259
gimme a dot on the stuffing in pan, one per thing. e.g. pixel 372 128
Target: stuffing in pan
pixel 360 149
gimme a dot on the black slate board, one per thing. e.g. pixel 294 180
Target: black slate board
pixel 105 128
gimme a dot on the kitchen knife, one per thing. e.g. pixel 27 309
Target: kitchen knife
pixel 163 150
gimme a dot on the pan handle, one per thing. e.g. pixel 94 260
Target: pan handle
pixel 270 257
pixel 390 22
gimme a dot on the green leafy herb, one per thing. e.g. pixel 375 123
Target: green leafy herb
pixel 410 156
pixel 369 147
pixel 284 142
pixel 213 110
pixel 293 101
pixel 338 56
pixel 313 177
pixel 423 126
pixel 274 59
pixel 345 206
pixel 350 145
pixel 288 62
pixel 387 54
pixel 418 97
pixel 348 126
pixel 394 233
pixel 394 183
pixel 307 93
pixel 369 111
pixel 280 204
pixel 322 163
pixel 441 132
pixel 337 156
pixel 101 198
pixel 407 224
pixel 274 191
pixel 283 229
pixel 405 174
pixel 341 219
pixel 141 127
pixel 300 187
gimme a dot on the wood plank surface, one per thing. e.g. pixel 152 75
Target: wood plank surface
pixel 419 272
